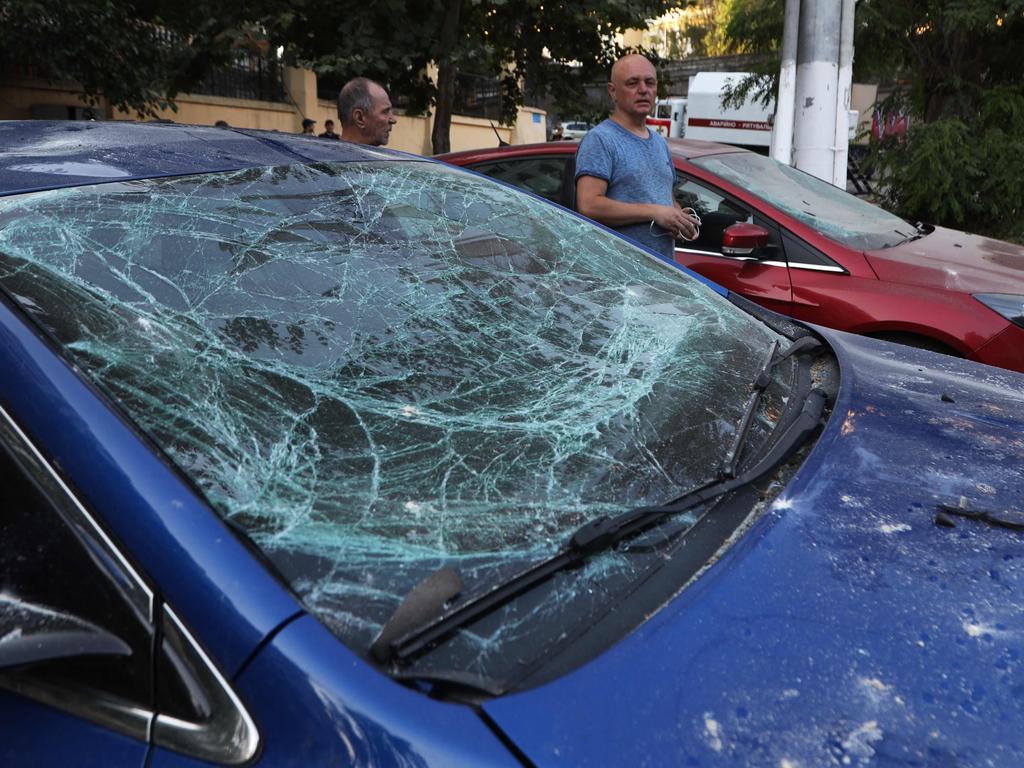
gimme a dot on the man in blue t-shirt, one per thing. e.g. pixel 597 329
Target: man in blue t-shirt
pixel 624 172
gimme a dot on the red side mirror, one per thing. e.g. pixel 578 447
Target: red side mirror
pixel 742 239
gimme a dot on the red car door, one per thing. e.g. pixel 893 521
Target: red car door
pixel 763 278
pixel 845 295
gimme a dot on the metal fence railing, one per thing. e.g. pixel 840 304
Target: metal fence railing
pixel 248 77
pixel 478 96
pixel 328 86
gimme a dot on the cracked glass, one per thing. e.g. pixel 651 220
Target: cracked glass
pixel 832 211
pixel 378 369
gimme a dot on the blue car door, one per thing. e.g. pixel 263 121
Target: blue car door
pixel 76 637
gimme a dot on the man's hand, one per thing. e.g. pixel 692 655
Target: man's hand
pixel 673 219
pixel 593 202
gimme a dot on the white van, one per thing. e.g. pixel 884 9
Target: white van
pixel 749 125
pixel 669 118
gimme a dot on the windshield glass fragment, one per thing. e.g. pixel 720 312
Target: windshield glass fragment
pixel 376 370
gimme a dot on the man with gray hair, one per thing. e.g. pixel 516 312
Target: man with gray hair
pixel 365 112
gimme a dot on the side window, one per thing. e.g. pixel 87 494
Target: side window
pixel 802 256
pixel 716 211
pixel 76 632
pixel 543 175
pixel 77 626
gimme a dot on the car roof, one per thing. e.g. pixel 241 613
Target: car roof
pixel 683 148
pixel 50 154
pixel 691 148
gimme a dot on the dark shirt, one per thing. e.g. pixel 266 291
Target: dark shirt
pixel 329 135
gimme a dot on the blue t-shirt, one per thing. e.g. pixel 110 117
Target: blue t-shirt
pixel 637 171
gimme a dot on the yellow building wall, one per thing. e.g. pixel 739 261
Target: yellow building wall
pixel 531 126
pixel 18 97
pixel 475 133
pixel 410 134
pixel 239 113
pixel 630 38
pixel 862 98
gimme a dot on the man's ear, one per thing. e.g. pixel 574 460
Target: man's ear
pixel 358 117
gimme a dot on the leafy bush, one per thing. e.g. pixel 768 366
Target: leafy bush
pixel 960 172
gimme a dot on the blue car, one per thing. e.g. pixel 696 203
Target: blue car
pixel 318 454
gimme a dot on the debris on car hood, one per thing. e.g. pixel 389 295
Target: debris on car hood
pixel 850 623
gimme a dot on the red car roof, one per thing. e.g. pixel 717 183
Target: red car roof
pixel 684 148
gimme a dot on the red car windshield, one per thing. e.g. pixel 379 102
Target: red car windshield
pixel 833 212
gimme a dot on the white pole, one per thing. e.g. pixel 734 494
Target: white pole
pixel 842 135
pixel 782 130
pixel 816 83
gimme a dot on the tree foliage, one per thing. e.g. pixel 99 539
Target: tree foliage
pixel 962 172
pixel 753 27
pixel 543 45
pixel 140 53
pixel 699 31
pixel 960 82
pixel 136 54
pixel 962 162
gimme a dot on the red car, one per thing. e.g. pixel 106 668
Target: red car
pixel 802 247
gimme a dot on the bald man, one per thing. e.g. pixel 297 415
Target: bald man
pixel 365 112
pixel 624 172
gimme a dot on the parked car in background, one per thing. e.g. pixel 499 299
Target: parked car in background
pixel 799 246
pixel 319 454
pixel 571 130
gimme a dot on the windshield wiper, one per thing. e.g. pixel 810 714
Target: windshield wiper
pixel 757 389
pixel 399 645
pixel 920 230
pixel 947 512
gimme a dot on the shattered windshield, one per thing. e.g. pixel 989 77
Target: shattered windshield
pixel 833 212
pixel 378 369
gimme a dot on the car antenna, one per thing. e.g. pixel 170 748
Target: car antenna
pixel 501 141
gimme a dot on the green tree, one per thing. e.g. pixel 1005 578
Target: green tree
pixel 961 85
pixel 138 55
pixel 962 162
pixel 705 28
pixel 753 27
pixel 553 46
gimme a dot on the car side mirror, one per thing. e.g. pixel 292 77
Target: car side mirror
pixel 743 238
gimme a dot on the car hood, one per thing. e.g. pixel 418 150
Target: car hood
pixel 954 261
pixel 845 627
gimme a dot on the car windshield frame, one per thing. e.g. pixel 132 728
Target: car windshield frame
pixel 375 369
pixel 833 212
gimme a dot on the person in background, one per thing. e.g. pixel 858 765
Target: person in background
pixel 329 131
pixel 221 124
pixel 365 112
pixel 307 126
pixel 624 172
